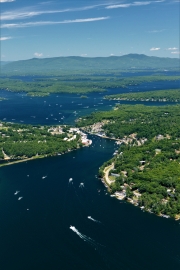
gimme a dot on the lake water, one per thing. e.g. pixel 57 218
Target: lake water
pixel 35 231
pixel 31 78
pixel 65 108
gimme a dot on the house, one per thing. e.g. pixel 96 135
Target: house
pixel 142 162
pixel 115 174
pixel 159 137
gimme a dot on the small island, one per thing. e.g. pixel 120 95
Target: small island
pixel 20 142
pixel 145 170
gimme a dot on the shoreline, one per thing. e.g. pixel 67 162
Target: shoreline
pixel 143 100
pixel 101 136
pixel 107 182
pixel 21 160
pixel 40 156
pixel 122 196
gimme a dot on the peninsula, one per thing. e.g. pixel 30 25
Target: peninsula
pixel 20 142
pixel 146 169
pixel 80 83
pixel 170 95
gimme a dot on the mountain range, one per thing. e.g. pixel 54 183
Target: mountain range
pixel 72 63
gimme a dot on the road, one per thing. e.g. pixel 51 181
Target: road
pixel 106 174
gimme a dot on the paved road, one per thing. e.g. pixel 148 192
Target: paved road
pixel 106 175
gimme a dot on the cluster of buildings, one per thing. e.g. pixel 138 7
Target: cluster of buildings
pixel 85 141
pixel 72 134
pixel 96 128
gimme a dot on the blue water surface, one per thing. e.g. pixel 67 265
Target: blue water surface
pixel 49 228
pixel 66 108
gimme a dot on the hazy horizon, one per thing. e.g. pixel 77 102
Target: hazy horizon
pixel 41 58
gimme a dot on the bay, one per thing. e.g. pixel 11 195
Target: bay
pixel 65 108
pixel 35 231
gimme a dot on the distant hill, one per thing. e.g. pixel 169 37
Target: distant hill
pixel 2 63
pixel 57 64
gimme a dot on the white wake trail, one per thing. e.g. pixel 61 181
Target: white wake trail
pixel 89 217
pixel 83 236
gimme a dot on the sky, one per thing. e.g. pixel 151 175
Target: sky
pixel 88 28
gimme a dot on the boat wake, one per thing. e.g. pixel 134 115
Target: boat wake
pixel 89 217
pixel 83 236
pixel 89 240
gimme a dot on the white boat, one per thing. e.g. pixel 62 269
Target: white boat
pixel 20 198
pixel 17 191
pixel 44 177
pixel 70 180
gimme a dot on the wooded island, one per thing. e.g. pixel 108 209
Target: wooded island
pixel 78 83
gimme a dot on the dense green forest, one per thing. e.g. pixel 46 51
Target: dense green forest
pixel 71 83
pixel 145 121
pixel 147 165
pixel 170 95
pixel 155 185
pixel 19 141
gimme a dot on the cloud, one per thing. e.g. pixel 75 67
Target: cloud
pixel 175 52
pixel 128 5
pixel 141 3
pixel 172 49
pixel 119 6
pixel 155 49
pixel 36 54
pixel 5 38
pixel 137 3
pixel 5 1
pixel 33 11
pixel 43 23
